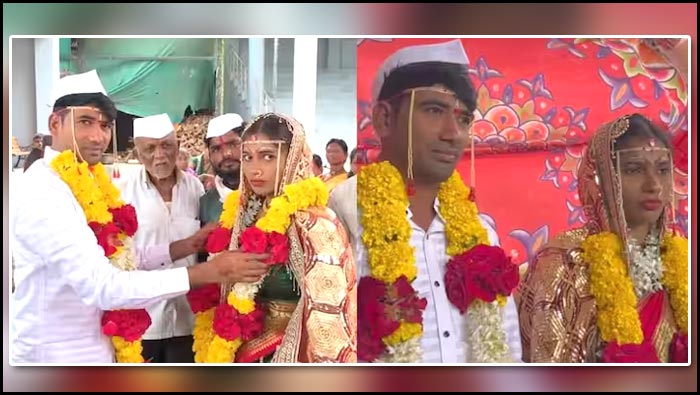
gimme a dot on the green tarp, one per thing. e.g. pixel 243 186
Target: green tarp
pixel 148 76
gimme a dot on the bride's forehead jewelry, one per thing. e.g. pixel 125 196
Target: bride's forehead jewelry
pixel 254 142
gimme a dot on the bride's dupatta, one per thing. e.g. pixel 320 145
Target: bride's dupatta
pixel 558 315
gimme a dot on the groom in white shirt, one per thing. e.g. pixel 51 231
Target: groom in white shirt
pixel 63 281
pixel 424 143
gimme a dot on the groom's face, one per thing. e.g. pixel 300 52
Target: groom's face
pixel 440 132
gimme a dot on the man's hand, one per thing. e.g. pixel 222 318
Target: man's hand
pixel 193 244
pixel 229 267
pixel 199 239
pixel 207 180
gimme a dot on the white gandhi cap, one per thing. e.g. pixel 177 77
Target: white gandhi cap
pixel 445 52
pixel 223 124
pixel 155 126
pixel 75 84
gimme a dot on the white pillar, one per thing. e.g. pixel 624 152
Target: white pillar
pixel 256 74
pixel 304 91
pixel 334 51
pixel 47 71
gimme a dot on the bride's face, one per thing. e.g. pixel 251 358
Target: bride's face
pixel 263 163
pixel 647 181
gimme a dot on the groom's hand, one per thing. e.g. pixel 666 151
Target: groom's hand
pixel 229 267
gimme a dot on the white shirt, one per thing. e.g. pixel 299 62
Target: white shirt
pixel 345 208
pixel 223 190
pixel 63 281
pixel 163 223
pixel 443 340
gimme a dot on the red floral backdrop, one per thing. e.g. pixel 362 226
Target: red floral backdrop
pixel 539 102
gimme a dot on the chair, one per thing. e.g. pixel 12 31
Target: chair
pixel 18 151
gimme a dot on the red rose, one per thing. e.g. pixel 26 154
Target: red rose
pixel 509 278
pixel 483 266
pixel 630 353
pixel 203 298
pixel 138 321
pixel 109 328
pixel 107 236
pixel 132 331
pixel 406 298
pixel 129 324
pixel 679 348
pixel 483 272
pixel 480 287
pixel 226 322
pixel 125 218
pixel 218 240
pixel 372 308
pixel 372 323
pixel 403 288
pixel 369 347
pixel 254 240
pixel 504 273
pixel 251 324
pixel 456 284
pixel 279 248
pixel 380 311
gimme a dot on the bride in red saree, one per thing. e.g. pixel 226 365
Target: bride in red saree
pixel 615 290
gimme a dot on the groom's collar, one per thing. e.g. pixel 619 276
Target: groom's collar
pixel 436 207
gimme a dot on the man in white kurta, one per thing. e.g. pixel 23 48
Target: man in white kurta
pixel 63 281
pixel 443 339
pixel 164 218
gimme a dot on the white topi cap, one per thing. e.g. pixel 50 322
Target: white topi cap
pixel 223 124
pixel 445 52
pixel 155 126
pixel 77 83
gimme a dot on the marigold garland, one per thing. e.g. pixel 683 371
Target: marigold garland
pixel 674 255
pixel 224 328
pixel 114 223
pixel 462 226
pixel 386 235
pixel 612 288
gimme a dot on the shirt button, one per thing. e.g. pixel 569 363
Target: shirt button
pixel 446 334
pixel 437 283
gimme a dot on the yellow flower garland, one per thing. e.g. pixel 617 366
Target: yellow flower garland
pixel 230 210
pixel 295 197
pixel 96 194
pixel 92 189
pixel 462 226
pixel 386 235
pixel 616 302
pixel 674 256
pixel 405 332
pixel 203 333
pixel 486 339
pixel 127 352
